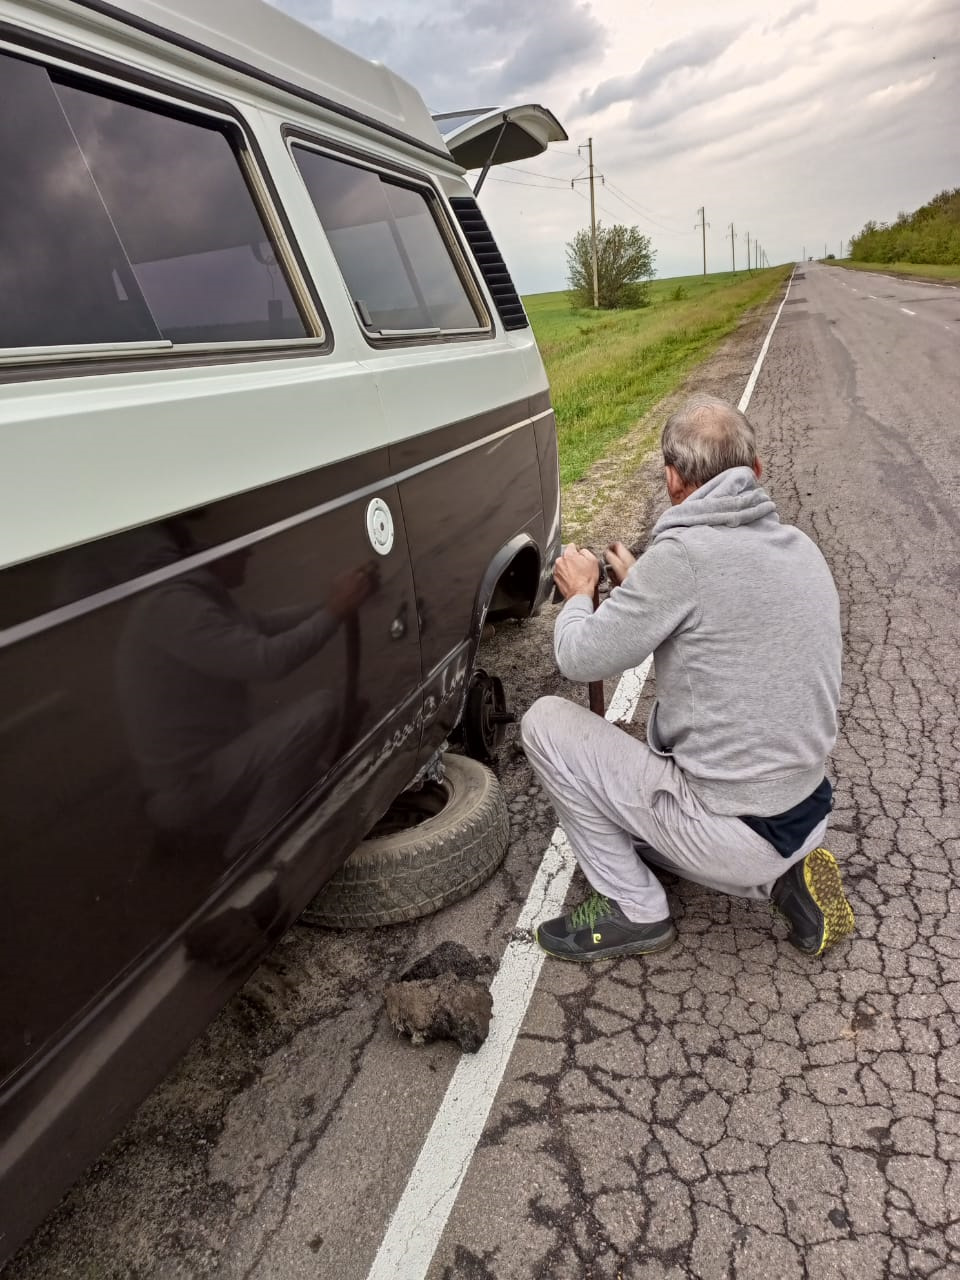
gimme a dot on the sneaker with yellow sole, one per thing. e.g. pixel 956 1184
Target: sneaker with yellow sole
pixel 810 898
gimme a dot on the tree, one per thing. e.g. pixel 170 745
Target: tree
pixel 624 265
pixel 930 234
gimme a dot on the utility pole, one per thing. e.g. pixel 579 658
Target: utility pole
pixel 733 252
pixel 588 147
pixel 703 224
pixel 748 250
pixel 803 257
pixel 756 255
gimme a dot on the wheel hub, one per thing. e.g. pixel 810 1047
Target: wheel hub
pixel 485 716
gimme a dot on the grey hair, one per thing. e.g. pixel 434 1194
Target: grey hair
pixel 706 436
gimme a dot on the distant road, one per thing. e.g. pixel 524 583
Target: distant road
pixel 929 301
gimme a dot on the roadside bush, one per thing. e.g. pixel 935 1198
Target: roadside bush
pixel 624 266
pixel 633 296
pixel 930 235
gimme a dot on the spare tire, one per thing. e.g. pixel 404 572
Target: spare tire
pixel 433 847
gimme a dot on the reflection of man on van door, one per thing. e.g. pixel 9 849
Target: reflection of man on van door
pixel 187 658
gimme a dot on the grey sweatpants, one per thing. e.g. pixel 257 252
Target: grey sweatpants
pixel 611 792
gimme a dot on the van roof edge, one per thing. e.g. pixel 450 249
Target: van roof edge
pixel 405 102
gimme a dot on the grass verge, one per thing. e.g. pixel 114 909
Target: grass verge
pixel 608 368
pixel 922 270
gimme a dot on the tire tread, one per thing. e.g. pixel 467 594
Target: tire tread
pixel 391 880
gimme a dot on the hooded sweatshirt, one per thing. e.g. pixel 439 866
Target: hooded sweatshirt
pixel 742 617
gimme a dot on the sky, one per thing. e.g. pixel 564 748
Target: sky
pixel 794 120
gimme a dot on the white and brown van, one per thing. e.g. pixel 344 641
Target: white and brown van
pixel 275 439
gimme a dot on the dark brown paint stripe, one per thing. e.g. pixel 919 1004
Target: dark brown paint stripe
pixel 414 451
pixel 52 589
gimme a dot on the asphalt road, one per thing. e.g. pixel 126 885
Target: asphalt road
pixel 727 1109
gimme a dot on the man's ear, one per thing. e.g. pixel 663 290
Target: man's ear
pixel 757 468
pixel 676 486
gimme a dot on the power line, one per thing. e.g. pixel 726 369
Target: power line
pixel 531 173
pixel 617 192
pixel 602 208
pixel 649 215
pixel 646 218
pixel 514 182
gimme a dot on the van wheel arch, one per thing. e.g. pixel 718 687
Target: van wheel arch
pixel 510 584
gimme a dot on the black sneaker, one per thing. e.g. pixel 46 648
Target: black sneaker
pixel 598 930
pixel 810 898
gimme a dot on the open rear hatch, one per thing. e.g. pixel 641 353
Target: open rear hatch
pixel 487 136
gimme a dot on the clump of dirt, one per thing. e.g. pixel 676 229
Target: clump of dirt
pixel 440 998
pixel 449 957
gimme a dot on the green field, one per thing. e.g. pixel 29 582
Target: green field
pixel 930 270
pixel 608 368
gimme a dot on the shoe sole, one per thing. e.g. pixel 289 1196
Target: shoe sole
pixel 822 878
pixel 613 953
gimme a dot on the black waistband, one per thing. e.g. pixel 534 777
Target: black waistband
pixel 787 831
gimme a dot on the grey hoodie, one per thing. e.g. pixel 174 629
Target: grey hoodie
pixel 742 617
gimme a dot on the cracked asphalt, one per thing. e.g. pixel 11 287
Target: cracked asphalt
pixel 725 1109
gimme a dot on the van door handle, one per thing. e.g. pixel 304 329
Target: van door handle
pixel 398 627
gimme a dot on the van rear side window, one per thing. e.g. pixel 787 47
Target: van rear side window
pixel 393 256
pixel 130 222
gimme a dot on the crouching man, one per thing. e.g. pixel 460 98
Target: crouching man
pixel 742 617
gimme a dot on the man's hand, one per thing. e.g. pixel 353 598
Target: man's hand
pixel 576 573
pixel 349 590
pixel 619 561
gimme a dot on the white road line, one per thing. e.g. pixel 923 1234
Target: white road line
pixel 418 1221
pixel 933 284
pixel 906 312
pixel 755 373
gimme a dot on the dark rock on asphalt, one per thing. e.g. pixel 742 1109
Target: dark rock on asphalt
pixel 439 998
pixel 444 1008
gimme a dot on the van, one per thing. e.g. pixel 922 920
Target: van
pixel 276 443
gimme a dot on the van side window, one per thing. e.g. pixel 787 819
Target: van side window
pixel 393 256
pixel 132 222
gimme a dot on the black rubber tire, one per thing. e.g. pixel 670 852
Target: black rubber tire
pixel 408 874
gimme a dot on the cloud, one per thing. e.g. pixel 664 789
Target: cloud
pixel 843 69
pixel 895 93
pixel 803 10
pixel 480 54
pixel 689 53
pixel 796 120
pixel 567 37
pixel 651 112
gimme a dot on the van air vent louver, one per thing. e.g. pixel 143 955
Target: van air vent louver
pixel 489 260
